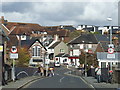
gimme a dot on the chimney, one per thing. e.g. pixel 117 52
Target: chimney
pixel 56 37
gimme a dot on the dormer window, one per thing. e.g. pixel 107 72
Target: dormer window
pixel 23 37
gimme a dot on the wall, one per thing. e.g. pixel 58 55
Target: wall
pixel 61 45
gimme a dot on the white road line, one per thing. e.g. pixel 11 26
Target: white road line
pixel 61 79
pixel 81 79
pixel 57 74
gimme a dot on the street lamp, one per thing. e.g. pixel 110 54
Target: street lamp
pixel 111 45
pixel 110 20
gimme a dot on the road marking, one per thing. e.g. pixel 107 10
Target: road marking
pixel 57 74
pixel 61 79
pixel 67 73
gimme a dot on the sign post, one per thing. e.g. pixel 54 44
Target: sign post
pixel 13 55
pixel 111 55
pixel 110 50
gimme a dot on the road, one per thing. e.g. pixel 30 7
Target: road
pixel 60 80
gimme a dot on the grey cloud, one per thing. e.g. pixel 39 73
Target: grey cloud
pixel 61 13
pixel 16 6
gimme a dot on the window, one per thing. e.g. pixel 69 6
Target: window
pixel 36 51
pixel 103 64
pixel 33 52
pixel 81 46
pixel 61 50
pixel 89 46
pixel 23 37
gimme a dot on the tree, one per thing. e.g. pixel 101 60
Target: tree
pixel 90 59
pixel 23 58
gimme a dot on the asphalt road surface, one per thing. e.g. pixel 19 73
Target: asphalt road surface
pixel 59 80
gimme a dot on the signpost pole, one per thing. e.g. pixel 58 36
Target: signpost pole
pixel 13 70
pixel 13 56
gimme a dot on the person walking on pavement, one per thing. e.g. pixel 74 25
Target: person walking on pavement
pixel 98 73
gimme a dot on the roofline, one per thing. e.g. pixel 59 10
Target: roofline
pixel 39 42
pixel 23 23
pixel 56 45
pixel 73 39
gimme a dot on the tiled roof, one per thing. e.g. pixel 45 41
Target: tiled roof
pixel 87 38
pixel 61 33
pixel 13 41
pixel 23 28
pixel 100 37
pixel 29 43
pixel 69 27
pixel 54 45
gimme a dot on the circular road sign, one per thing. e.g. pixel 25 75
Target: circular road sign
pixel 110 50
pixel 13 50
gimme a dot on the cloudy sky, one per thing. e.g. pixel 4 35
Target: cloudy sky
pixel 51 12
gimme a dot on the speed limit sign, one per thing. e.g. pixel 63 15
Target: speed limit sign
pixel 110 50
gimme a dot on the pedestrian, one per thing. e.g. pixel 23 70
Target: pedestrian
pixel 51 71
pixel 42 71
pixel 98 74
pixel 39 71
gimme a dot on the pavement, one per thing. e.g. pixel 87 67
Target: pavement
pixel 92 81
pixel 18 84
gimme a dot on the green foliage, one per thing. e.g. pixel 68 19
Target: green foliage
pixel 24 57
pixel 74 34
pixel 90 59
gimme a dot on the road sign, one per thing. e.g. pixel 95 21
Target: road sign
pixel 111 56
pixel 110 50
pixel 13 49
pixel 13 55
pixel 1 48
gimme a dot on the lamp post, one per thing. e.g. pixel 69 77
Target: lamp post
pixel 110 19
pixel 111 45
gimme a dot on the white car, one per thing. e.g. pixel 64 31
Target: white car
pixel 57 64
